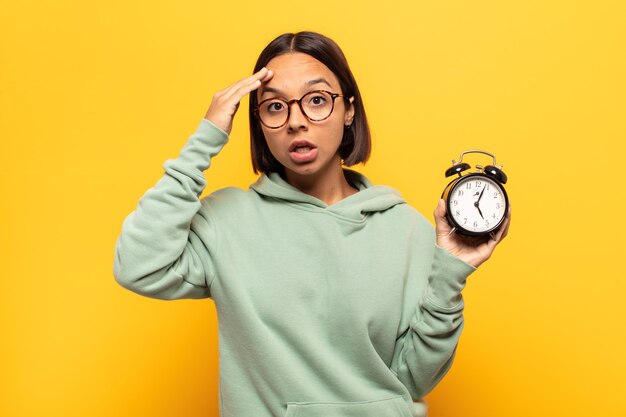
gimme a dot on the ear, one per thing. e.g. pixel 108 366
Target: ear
pixel 349 113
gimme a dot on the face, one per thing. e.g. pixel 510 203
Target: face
pixel 295 74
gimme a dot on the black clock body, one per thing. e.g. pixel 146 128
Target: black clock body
pixel 476 203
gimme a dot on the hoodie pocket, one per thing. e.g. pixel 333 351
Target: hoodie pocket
pixel 388 407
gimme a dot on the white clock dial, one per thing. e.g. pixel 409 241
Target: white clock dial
pixel 477 203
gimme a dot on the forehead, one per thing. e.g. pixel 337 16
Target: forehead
pixel 292 72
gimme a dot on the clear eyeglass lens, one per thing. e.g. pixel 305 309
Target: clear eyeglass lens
pixel 316 105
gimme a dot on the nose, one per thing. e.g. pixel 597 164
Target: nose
pixel 296 119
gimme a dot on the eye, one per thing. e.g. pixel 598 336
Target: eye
pixel 275 106
pixel 318 100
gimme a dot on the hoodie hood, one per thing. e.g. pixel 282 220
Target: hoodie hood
pixel 354 208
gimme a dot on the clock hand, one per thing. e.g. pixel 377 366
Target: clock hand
pixel 477 201
pixel 481 195
pixel 479 212
pixel 476 205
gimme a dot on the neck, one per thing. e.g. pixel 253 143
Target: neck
pixel 329 185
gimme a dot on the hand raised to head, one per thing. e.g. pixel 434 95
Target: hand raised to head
pixel 226 102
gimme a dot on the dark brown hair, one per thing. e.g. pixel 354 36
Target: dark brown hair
pixel 355 145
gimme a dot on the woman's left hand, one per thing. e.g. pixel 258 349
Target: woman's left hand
pixel 472 250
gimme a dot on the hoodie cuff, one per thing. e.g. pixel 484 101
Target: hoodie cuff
pixel 447 279
pixel 202 145
pixel 207 121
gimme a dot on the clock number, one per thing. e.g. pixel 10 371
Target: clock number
pixel 497 205
pixel 468 186
pixel 487 187
pixel 460 193
pixel 455 202
pixel 458 213
pixel 494 215
pixel 465 220
pixel 475 224
pixel 478 184
pixel 495 195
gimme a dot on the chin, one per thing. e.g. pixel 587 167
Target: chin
pixel 310 168
pixel 305 169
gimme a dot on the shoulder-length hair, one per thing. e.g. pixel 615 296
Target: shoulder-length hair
pixel 355 145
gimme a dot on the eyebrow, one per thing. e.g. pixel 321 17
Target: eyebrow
pixel 308 83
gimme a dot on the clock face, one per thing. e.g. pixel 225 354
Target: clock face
pixel 477 203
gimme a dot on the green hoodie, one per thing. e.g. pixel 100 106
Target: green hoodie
pixel 348 309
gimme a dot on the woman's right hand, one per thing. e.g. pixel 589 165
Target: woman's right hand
pixel 226 102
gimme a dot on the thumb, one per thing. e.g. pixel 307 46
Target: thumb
pixel 441 223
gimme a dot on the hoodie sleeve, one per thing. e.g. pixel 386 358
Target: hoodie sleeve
pixel 425 352
pixel 159 253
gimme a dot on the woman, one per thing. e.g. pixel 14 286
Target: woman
pixel 334 296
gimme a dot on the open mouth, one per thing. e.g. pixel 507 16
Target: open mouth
pixel 302 151
pixel 297 144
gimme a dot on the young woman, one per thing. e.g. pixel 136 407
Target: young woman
pixel 334 296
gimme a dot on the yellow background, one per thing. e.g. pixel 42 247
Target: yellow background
pixel 95 96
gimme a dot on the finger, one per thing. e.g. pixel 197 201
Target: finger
pixel 244 89
pixel 501 234
pixel 268 76
pixel 507 223
pixel 440 210
pixel 505 230
pixel 252 84
pixel 441 223
pixel 262 73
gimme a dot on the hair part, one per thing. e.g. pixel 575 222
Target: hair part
pixel 355 145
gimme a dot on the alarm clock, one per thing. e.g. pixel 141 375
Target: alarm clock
pixel 476 202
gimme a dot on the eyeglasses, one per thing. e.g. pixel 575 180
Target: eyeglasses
pixel 315 105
